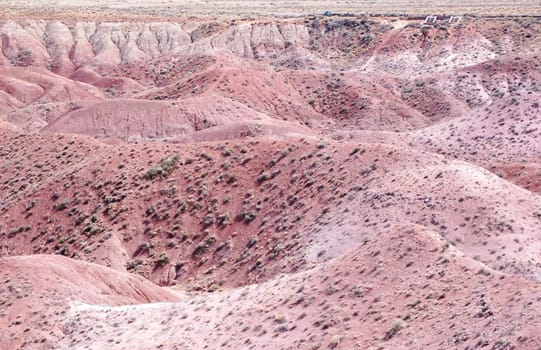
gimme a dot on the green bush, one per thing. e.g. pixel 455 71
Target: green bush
pixel 163 169
pixel 163 260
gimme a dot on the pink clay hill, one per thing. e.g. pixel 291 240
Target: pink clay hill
pixel 309 182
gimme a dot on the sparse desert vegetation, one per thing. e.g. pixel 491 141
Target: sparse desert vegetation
pixel 212 178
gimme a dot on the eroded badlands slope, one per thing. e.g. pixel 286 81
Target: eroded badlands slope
pixel 341 182
pixel 220 215
pixel 37 290
pixel 326 73
pixel 201 205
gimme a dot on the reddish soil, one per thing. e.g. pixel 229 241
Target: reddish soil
pixel 345 182
pixel 37 290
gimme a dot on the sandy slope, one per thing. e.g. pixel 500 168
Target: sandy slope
pixel 38 290
pixel 406 288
